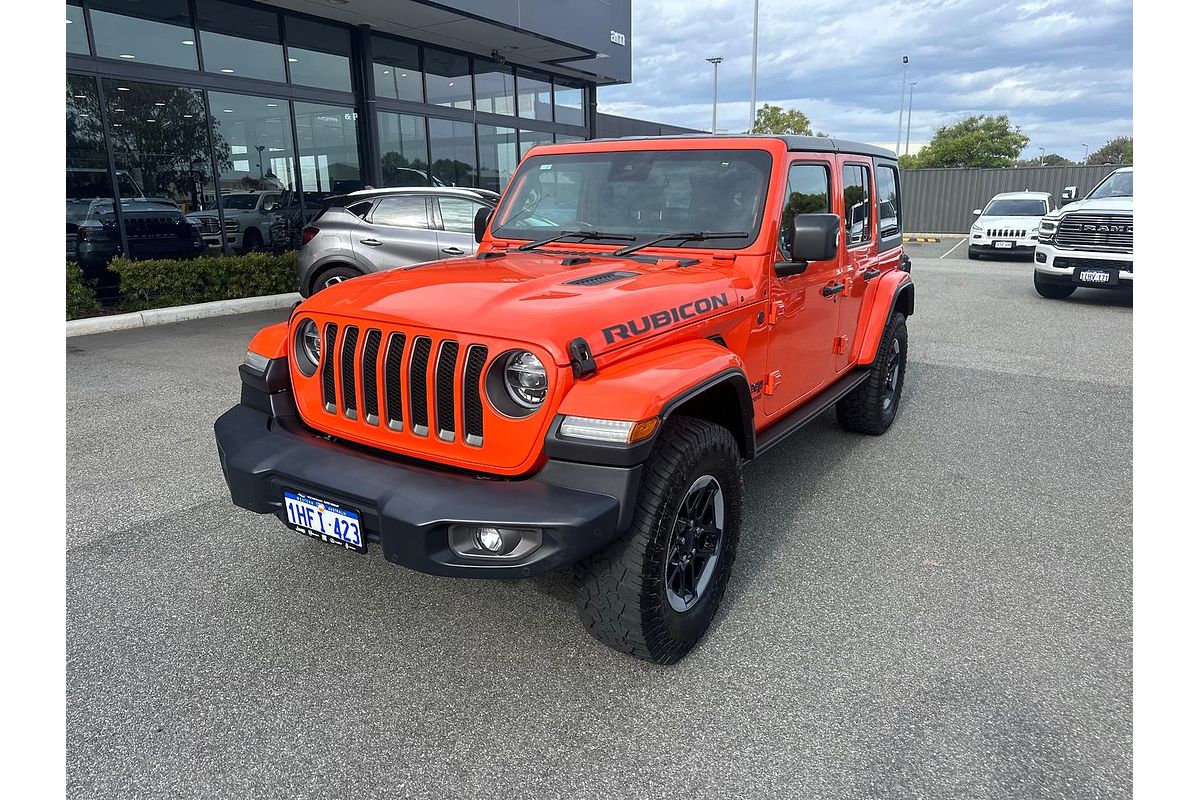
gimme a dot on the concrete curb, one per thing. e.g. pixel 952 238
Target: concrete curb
pixel 165 316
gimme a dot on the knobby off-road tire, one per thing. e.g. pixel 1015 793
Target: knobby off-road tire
pixel 1053 291
pixel 632 595
pixel 871 407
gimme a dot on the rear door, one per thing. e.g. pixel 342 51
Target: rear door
pixel 861 248
pixel 455 216
pixel 398 232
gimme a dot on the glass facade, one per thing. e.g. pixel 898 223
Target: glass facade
pixel 170 113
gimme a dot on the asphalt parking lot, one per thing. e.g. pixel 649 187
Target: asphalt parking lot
pixel 941 612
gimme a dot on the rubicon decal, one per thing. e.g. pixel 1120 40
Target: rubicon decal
pixel 661 319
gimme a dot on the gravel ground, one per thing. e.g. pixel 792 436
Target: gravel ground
pixel 942 612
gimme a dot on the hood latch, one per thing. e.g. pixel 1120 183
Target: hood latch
pixel 582 362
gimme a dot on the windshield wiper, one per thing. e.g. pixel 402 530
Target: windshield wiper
pixel 686 236
pixel 578 235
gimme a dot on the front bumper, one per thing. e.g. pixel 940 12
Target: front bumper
pixel 984 245
pixel 1053 265
pixel 408 508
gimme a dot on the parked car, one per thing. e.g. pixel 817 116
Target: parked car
pixel 85 185
pixel 1088 242
pixel 154 228
pixel 378 229
pixel 1008 224
pixel 248 217
pixel 586 394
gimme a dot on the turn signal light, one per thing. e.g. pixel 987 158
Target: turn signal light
pixel 308 234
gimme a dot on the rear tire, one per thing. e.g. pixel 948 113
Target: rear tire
pixel 653 593
pixel 872 406
pixel 331 276
pixel 1053 291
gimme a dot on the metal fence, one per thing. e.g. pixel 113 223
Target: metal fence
pixel 941 200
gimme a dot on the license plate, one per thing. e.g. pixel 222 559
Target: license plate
pixel 324 520
pixel 1003 245
pixel 1101 277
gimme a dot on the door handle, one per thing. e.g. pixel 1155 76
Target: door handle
pixel 453 251
pixel 370 242
pixel 870 275
pixel 832 289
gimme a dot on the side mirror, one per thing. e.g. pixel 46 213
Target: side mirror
pixel 482 217
pixel 814 238
pixel 977 211
pixel 1069 193
pixel 270 206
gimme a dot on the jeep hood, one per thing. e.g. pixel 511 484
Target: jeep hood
pixel 1117 205
pixel 535 298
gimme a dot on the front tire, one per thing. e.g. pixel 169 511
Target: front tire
pixel 251 241
pixel 971 254
pixel 653 593
pixel 871 407
pixel 1053 291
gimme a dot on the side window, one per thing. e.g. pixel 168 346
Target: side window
pixel 401 212
pixel 360 208
pixel 887 183
pixel 856 196
pixel 458 215
pixel 807 193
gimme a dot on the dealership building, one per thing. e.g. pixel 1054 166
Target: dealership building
pixel 206 102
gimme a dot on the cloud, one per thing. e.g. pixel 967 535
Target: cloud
pixel 1060 70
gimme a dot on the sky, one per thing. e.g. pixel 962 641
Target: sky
pixel 1062 71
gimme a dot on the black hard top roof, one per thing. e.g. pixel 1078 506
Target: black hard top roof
pixel 816 144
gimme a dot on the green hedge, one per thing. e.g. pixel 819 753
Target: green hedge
pixel 165 282
pixel 81 300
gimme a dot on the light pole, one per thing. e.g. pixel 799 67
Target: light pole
pixel 912 87
pixel 260 148
pixel 900 119
pixel 1085 151
pixel 1042 158
pixel 715 60
pixel 753 72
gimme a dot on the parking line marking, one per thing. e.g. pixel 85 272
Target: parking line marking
pixel 952 249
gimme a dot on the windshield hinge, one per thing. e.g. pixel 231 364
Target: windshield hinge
pixel 773 313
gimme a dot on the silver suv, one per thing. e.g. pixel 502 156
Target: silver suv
pixel 379 229
pixel 247 220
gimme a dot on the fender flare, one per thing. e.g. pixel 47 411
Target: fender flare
pixel 894 291
pixel 657 383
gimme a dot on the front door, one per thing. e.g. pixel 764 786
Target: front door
pixel 456 234
pixel 803 309
pixel 397 233
pixel 862 251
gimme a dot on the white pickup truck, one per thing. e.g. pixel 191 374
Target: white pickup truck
pixel 1088 242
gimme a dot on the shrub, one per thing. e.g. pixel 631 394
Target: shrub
pixel 81 299
pixel 159 283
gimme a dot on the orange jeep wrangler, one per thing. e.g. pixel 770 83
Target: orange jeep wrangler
pixel 643 317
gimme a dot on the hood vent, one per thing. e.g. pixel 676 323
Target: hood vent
pixel 603 277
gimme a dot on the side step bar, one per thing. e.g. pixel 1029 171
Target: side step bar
pixel 809 411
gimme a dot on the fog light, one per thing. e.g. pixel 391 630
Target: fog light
pixel 1041 257
pixel 489 539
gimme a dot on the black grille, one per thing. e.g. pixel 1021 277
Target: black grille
pixel 472 403
pixel 327 389
pixel 446 363
pixel 370 372
pixel 349 390
pixel 603 277
pixel 1104 232
pixel 1092 263
pixel 393 369
pixel 418 385
pixel 1007 233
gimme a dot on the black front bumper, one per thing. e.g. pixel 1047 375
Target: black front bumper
pixel 988 250
pixel 408 509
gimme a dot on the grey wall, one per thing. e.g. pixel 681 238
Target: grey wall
pixel 941 200
pixel 610 126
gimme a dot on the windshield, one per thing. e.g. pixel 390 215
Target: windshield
pixel 1119 184
pixel 641 194
pixel 1015 208
pixel 241 202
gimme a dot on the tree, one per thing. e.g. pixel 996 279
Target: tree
pixel 1049 160
pixel 978 141
pixel 1116 151
pixel 775 119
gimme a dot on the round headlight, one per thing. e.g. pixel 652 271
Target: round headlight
pixel 525 379
pixel 310 342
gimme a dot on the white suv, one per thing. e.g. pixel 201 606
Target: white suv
pixel 1008 224
pixel 1089 242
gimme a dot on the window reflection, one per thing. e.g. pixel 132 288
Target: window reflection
pixel 238 40
pixel 497 156
pixel 159 33
pixel 405 150
pixel 533 97
pixel 397 69
pixel 76 30
pixel 494 88
pixel 533 139
pixel 452 146
pixel 447 78
pixel 318 55
pixel 328 137
pixel 568 102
